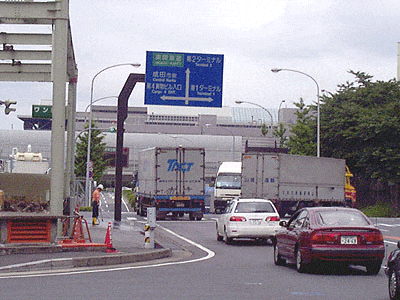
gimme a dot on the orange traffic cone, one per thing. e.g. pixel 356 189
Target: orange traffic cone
pixel 108 240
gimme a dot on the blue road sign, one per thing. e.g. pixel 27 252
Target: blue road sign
pixel 184 79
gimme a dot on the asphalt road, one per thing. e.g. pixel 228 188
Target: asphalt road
pixel 244 270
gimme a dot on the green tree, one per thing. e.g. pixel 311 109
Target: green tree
pixel 264 129
pixel 360 123
pixel 280 133
pixel 97 148
pixel 302 140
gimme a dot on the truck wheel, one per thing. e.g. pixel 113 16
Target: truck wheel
pixel 141 211
pixel 191 217
pixel 199 217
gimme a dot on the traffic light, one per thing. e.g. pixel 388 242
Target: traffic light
pixel 7 103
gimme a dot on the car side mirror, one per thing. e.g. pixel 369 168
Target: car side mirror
pixel 398 244
pixel 284 223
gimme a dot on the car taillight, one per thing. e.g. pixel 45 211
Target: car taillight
pixel 324 238
pixel 272 219
pixel 237 219
pixel 374 237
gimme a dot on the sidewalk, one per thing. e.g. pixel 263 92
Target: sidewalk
pixel 128 240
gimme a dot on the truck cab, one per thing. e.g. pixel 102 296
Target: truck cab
pixel 227 184
pixel 350 190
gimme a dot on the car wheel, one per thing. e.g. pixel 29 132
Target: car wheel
pixel 220 238
pixel 373 268
pixel 228 240
pixel 394 284
pixel 301 267
pixel 278 260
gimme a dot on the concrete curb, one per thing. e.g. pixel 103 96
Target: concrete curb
pixel 37 249
pixel 93 261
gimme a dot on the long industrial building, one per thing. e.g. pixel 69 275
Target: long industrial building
pixel 223 132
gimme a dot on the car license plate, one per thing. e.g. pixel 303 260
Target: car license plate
pixel 348 240
pixel 180 204
pixel 255 221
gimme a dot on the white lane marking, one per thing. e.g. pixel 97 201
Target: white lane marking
pixel 126 205
pixel 388 225
pixel 389 242
pixel 210 254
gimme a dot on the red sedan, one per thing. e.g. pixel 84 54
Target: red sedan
pixel 329 234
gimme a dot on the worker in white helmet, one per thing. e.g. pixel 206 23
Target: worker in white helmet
pixel 96 204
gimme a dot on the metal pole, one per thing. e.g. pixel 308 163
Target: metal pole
pixel 87 187
pixel 121 117
pixel 279 110
pixel 102 98
pixel 58 72
pixel 276 70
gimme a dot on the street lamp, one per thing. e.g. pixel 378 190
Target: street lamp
pixel 88 166
pixel 102 98
pixel 276 70
pixel 240 102
pixel 279 109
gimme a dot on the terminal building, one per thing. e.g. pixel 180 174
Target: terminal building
pixel 223 132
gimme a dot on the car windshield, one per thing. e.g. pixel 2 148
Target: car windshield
pixel 254 207
pixel 228 182
pixel 341 218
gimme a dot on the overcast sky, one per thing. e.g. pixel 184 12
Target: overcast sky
pixel 323 38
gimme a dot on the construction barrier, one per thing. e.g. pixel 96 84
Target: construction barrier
pixel 148 237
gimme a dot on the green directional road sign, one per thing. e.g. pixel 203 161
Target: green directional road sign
pixel 184 79
pixel 41 111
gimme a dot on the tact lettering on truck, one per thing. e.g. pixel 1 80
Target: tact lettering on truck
pixel 181 167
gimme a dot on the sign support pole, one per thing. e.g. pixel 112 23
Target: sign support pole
pixel 121 117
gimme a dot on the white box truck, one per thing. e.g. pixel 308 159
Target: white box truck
pixel 173 181
pixel 293 181
pixel 227 184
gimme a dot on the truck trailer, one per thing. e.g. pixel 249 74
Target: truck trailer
pixel 173 181
pixel 293 181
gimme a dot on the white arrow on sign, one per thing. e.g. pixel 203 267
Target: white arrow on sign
pixel 186 98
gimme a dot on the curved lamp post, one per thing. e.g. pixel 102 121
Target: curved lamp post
pixel 240 102
pixel 87 187
pixel 279 109
pixel 276 70
pixel 102 98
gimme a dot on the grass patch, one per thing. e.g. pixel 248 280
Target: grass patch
pixel 129 195
pixel 380 210
pixel 85 208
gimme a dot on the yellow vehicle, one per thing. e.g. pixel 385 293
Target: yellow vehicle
pixel 349 190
